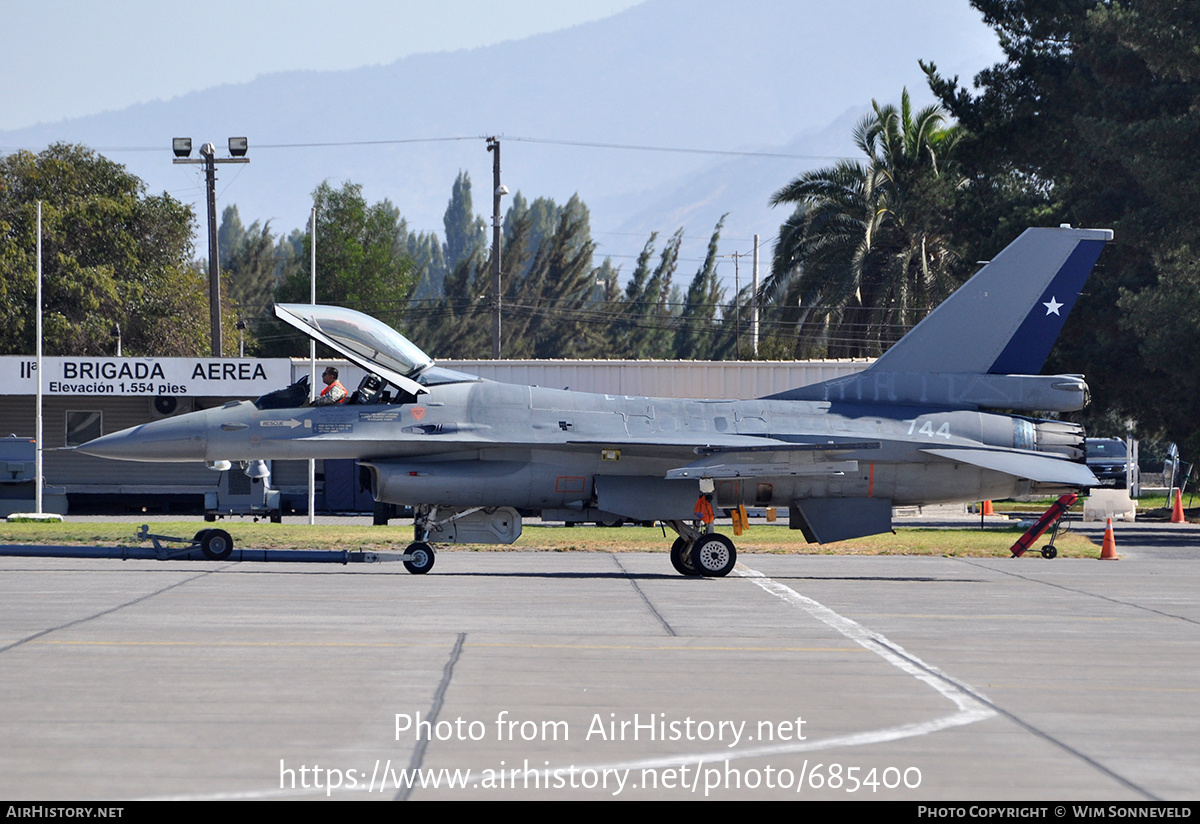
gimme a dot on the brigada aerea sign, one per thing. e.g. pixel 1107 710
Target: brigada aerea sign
pixel 198 377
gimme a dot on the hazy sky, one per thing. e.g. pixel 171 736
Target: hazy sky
pixel 67 58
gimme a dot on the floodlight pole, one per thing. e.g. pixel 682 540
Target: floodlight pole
pixel 210 160
pixel 214 260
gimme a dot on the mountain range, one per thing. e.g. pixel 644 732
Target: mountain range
pixel 725 102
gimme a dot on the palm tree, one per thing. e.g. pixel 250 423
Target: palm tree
pixel 863 257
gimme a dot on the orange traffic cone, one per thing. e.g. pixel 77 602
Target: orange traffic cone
pixel 1108 549
pixel 987 508
pixel 1177 508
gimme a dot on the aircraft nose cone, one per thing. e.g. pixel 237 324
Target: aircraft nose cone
pixel 174 439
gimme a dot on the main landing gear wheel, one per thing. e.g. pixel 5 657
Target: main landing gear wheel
pixel 713 556
pixel 1048 551
pixel 422 558
pixel 681 558
pixel 215 544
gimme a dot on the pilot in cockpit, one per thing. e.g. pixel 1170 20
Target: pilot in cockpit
pixel 334 392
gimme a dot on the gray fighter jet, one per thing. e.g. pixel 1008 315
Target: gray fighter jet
pixel 917 427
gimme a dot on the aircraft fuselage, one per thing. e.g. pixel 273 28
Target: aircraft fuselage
pixel 493 444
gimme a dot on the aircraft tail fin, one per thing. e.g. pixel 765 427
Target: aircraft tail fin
pixel 984 345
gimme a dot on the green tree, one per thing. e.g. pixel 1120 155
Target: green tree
pixel 429 265
pixel 697 336
pixel 546 309
pixel 649 313
pixel 866 254
pixel 465 231
pixel 111 255
pixel 1092 120
pixel 250 264
pixel 361 262
pixel 456 323
pixel 541 217
pixel 229 233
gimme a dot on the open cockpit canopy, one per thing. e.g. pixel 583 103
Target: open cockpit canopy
pixel 366 342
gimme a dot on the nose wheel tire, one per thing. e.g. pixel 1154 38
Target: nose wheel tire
pixel 681 558
pixel 421 560
pixel 215 544
pixel 713 556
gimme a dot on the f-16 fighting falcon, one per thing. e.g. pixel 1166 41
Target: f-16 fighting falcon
pixel 917 427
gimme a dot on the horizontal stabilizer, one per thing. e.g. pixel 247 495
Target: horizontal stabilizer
pixel 1039 468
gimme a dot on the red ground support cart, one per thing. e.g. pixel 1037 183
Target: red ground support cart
pixel 1051 520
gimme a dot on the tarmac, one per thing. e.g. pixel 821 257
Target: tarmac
pixel 590 675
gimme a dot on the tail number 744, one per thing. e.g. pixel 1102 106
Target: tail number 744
pixel 927 430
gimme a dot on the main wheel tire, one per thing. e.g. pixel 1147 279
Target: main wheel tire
pixel 422 558
pixel 611 522
pixel 276 516
pixel 216 544
pixel 681 558
pixel 713 555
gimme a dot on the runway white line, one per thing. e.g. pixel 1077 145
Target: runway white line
pixel 969 709
pixel 968 705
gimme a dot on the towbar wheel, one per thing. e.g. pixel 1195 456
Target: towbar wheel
pixel 216 544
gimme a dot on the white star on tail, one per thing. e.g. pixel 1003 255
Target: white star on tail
pixel 1052 307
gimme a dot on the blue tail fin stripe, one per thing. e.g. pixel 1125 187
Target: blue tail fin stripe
pixel 1027 350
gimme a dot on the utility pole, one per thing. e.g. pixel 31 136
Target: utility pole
pixel 182 147
pixel 754 303
pixel 737 309
pixel 498 191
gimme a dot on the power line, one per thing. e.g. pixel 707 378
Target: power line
pixel 673 149
pixel 636 147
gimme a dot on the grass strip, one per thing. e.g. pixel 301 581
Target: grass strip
pixel 759 538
